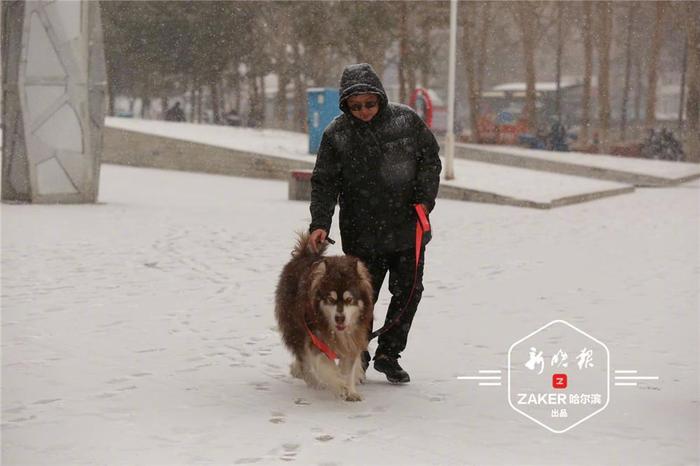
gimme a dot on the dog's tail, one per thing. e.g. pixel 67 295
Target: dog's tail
pixel 303 247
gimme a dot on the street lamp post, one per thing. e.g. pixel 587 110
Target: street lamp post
pixel 450 137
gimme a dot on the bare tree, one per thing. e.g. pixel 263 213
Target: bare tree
pixel 693 100
pixel 299 89
pixel 526 16
pixel 477 24
pixel 403 53
pixel 487 20
pixel 628 69
pixel 656 44
pixel 560 51
pixel 639 89
pixel 468 49
pixel 684 72
pixel 604 40
pixel 367 30
pixel 278 14
pixel 587 71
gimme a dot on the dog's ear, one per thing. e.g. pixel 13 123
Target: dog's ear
pixel 366 289
pixel 362 271
pixel 318 270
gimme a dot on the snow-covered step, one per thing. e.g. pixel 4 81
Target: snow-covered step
pixel 216 149
pixel 497 184
pixel 639 172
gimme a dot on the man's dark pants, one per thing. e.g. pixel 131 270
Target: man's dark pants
pixel 401 267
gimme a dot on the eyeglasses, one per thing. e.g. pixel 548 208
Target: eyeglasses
pixel 368 105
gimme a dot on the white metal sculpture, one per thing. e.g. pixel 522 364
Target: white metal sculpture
pixel 53 100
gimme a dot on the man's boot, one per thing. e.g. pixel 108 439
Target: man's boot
pixel 390 367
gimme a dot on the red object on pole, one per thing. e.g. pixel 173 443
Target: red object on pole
pixel 421 103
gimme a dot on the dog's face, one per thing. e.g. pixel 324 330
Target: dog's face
pixel 340 310
pixel 340 285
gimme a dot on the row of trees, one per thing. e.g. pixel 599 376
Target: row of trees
pixel 607 36
pixel 218 53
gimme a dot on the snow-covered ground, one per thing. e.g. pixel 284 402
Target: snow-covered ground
pixel 528 185
pixel 270 142
pixel 659 168
pixel 140 331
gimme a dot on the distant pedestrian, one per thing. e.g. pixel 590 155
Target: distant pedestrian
pixel 175 113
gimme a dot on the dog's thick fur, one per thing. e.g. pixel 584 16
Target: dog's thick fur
pixel 333 297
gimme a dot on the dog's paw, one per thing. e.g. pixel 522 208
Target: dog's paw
pixel 295 370
pixel 361 377
pixel 353 396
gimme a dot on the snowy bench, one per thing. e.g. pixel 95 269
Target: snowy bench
pixel 300 185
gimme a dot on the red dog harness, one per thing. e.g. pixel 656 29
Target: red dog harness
pixel 321 345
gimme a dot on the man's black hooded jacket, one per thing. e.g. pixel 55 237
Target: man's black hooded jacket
pixel 376 171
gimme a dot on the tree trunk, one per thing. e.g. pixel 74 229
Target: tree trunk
pixel 146 99
pixel 628 70
pixel 253 96
pixel 200 95
pixel 692 112
pixel 469 68
pixel 560 50
pixel 112 91
pixel 403 51
pixel 163 105
pixel 281 103
pixel 412 80
pixel 587 72
pixel 684 71
pixel 214 91
pixel 526 16
pixel 263 102
pixel 222 96
pixel 487 23
pixel 639 90
pixel 299 93
pixel 237 91
pixel 425 65
pixel 192 97
pixel 656 43
pixel 282 82
pixel 604 35
pixel 111 103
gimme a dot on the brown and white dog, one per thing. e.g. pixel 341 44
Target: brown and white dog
pixel 330 297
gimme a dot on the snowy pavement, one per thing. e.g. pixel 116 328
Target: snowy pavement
pixel 661 169
pixel 538 187
pixel 140 331
pixel 270 142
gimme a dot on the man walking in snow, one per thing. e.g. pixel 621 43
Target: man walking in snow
pixel 378 161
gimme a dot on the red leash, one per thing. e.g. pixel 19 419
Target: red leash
pixel 422 226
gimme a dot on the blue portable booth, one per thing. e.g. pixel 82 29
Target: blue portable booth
pixel 322 108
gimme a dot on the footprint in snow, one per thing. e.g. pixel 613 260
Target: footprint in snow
pixel 290 451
